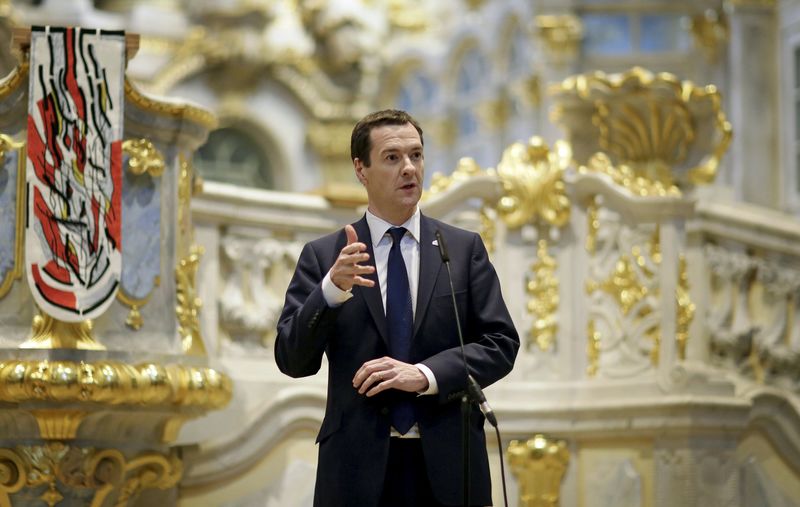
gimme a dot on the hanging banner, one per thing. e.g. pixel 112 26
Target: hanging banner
pixel 73 243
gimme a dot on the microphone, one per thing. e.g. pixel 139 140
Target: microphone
pixel 473 388
pixel 442 248
pixel 480 399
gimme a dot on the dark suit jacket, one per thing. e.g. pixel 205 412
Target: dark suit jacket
pixel 354 438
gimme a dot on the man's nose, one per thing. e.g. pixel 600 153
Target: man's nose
pixel 408 165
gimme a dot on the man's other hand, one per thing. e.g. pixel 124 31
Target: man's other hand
pixel 385 373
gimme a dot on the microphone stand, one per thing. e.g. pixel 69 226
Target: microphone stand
pixel 473 393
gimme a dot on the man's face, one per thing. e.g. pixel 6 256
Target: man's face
pixel 394 178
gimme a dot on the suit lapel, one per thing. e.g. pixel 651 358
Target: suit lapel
pixel 429 265
pixel 372 295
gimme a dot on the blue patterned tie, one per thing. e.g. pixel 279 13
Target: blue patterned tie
pixel 400 319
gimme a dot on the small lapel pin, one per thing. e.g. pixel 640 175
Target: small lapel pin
pixel 435 242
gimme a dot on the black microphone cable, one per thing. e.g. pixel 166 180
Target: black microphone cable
pixel 474 389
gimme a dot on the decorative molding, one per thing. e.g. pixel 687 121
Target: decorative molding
pixel 543 299
pixel 188 306
pixel 16 272
pixel 65 469
pixel 539 465
pixel 144 157
pixel 665 131
pixel 174 110
pixel 112 383
pixel 49 333
pixel 249 304
pixel 533 182
pixel 134 319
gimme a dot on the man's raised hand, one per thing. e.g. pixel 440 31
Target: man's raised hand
pixel 347 271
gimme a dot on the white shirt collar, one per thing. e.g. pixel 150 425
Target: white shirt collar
pixel 379 226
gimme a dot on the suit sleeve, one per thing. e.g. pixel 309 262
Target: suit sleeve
pixel 491 340
pixel 306 319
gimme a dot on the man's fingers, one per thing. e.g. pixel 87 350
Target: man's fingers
pixel 364 282
pixel 352 237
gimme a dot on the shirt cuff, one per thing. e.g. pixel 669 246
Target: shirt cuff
pixel 433 387
pixel 333 295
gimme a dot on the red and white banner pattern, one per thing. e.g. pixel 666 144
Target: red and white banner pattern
pixel 73 244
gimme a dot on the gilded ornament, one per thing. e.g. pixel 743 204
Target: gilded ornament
pixel 134 319
pixel 61 467
pixel 627 178
pixel 533 183
pixel 188 307
pixel 710 32
pixel 15 273
pixel 543 299
pixel 467 168
pixel 143 157
pixel 496 112
pixel 539 465
pixel 623 285
pixel 658 131
pixel 325 137
pixel 185 192
pixel 12 82
pixel 593 225
pixel 111 383
pixel 686 308
pixel 488 228
pixel 58 424
pixel 561 35
pixel 593 349
pixel 49 333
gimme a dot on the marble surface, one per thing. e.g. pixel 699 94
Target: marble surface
pixel 141 233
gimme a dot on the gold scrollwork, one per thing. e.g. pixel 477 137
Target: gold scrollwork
pixel 533 183
pixel 134 319
pixel 542 289
pixel 15 273
pixel 12 476
pixel 50 333
pixel 144 157
pixel 65 468
pixel 623 285
pixel 188 307
pixel 539 465
pixel 686 308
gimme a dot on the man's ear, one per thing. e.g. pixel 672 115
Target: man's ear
pixel 359 168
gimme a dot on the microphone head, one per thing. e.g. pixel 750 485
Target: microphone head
pixel 442 246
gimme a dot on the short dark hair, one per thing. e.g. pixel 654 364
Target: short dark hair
pixel 360 144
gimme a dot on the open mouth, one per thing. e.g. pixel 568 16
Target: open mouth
pixel 408 186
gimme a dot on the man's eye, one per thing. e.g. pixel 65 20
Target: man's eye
pixel 391 158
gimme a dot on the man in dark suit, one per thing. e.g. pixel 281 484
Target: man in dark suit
pixel 375 299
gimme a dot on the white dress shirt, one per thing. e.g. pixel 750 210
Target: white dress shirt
pixel 381 245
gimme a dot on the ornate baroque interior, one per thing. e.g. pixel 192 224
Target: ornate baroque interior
pixel 633 167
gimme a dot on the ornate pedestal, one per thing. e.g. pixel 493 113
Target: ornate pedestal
pixel 90 403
